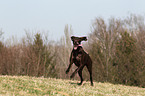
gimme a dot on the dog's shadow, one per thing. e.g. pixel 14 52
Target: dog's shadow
pixel 75 83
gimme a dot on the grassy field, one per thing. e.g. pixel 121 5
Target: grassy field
pixel 32 86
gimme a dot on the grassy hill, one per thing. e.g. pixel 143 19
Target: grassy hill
pixel 32 86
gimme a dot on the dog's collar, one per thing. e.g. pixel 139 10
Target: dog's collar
pixel 75 48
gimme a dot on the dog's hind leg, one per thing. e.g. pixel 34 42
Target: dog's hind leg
pixel 91 79
pixel 89 67
pixel 80 74
pixel 79 68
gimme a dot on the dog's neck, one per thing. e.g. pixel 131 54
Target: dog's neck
pixel 75 48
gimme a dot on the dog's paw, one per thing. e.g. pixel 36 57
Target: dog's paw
pixel 79 83
pixel 66 71
pixel 92 84
pixel 72 76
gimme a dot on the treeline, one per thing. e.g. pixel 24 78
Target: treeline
pixel 116 46
pixel 32 58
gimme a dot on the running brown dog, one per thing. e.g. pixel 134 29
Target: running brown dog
pixel 80 58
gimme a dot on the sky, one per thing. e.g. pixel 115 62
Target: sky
pixel 51 16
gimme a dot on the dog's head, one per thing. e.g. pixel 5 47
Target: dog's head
pixel 77 41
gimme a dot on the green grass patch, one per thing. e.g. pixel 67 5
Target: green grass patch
pixel 33 86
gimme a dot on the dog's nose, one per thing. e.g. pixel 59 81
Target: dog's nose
pixel 76 43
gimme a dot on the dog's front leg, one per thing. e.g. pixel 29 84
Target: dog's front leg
pixel 68 68
pixel 71 62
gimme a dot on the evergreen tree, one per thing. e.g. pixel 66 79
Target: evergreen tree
pixel 44 65
pixel 126 60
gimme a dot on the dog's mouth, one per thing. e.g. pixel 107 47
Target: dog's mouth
pixel 76 46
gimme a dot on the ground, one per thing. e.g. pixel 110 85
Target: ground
pixel 33 86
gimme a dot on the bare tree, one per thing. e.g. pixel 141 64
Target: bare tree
pixel 103 38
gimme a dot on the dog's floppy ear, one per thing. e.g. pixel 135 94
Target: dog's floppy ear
pixel 84 38
pixel 72 37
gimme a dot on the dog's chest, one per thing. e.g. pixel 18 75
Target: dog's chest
pixel 77 56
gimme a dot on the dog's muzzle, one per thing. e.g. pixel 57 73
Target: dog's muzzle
pixel 76 46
